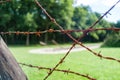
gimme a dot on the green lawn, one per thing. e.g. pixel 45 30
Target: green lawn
pixel 83 62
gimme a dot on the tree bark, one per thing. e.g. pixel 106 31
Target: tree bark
pixel 9 68
pixel 27 40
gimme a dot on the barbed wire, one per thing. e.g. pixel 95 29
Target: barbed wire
pixel 67 32
pixel 38 33
pixel 75 41
pixel 59 70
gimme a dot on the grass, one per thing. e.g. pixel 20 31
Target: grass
pixel 83 62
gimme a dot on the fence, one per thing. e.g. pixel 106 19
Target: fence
pixel 67 32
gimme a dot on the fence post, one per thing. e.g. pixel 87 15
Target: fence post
pixel 9 68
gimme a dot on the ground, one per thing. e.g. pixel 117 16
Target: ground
pixel 61 50
pixel 81 61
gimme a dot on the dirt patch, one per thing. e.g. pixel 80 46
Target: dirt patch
pixel 59 50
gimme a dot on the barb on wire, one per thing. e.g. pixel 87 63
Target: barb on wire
pixel 59 70
pixel 5 1
pixel 100 55
pixel 75 41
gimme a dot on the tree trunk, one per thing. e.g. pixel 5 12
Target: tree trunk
pixel 27 40
pixel 46 34
pixel 46 38
pixel 9 68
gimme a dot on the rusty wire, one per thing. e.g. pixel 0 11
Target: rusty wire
pixel 59 70
pixel 38 33
pixel 90 29
pixel 76 41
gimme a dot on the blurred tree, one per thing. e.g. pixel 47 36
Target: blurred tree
pixel 84 17
pixel 113 38
pixel 117 24
pixel 61 10
pixel 18 15
pixel 80 18
pixel 25 15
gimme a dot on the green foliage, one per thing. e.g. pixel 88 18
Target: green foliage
pixel 79 18
pixel 84 17
pixel 117 24
pixel 25 15
pixel 112 40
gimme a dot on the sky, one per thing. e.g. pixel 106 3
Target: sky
pixel 101 6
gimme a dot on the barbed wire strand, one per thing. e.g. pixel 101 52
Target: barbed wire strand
pixel 59 70
pixel 38 33
pixel 65 31
pixel 75 41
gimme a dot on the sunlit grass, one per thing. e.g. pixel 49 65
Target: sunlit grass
pixel 83 62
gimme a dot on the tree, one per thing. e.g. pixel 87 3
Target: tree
pixel 117 24
pixel 80 17
pixel 17 15
pixel 112 40
pixel 25 15
pixel 61 10
pixel 83 18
